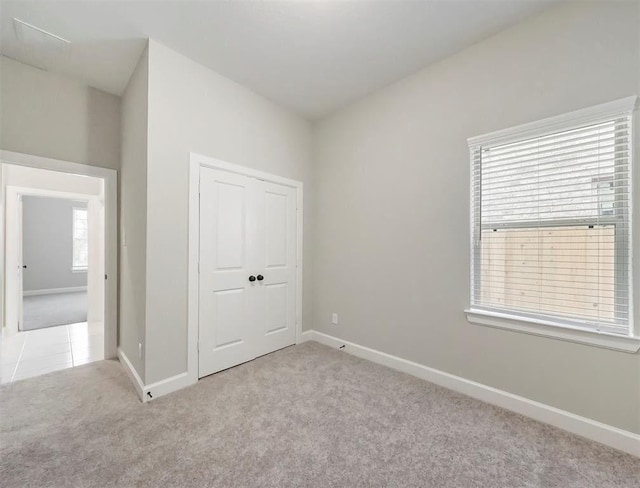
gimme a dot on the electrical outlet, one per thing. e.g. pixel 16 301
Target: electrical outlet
pixel 140 350
pixel 334 318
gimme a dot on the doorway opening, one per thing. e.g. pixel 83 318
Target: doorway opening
pixel 58 245
pixel 55 261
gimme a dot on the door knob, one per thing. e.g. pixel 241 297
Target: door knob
pixel 260 277
pixel 252 278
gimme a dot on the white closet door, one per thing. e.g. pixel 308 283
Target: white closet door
pixel 247 269
pixel 276 255
pixel 227 259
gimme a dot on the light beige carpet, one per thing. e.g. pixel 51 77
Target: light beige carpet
pixel 42 311
pixel 306 416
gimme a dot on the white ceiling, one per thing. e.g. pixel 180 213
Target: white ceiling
pixel 309 56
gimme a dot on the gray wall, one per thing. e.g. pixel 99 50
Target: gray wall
pixel 47 243
pixel 191 108
pixel 133 214
pixel 391 221
pixel 49 115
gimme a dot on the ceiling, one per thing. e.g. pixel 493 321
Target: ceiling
pixel 309 56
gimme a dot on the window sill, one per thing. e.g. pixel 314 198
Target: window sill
pixel 498 320
pixel 79 270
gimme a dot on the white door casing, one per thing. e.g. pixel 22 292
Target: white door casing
pixel 13 261
pixel 43 185
pixel 21 264
pixel 248 227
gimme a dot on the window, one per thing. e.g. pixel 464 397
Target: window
pixel 551 226
pixel 80 240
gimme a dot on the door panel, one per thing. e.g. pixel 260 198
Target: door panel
pixel 247 228
pixel 275 299
pixel 276 294
pixel 275 229
pixel 230 226
pixel 225 335
pixel 229 317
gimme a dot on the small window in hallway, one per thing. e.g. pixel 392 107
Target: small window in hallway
pixel 80 239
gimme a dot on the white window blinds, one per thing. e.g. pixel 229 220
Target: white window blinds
pixel 551 226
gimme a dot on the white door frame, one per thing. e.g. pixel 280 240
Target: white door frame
pixel 196 161
pixel 109 177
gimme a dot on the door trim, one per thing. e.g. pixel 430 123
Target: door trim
pixel 196 161
pixel 110 192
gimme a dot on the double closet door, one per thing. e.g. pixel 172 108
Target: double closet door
pixel 247 289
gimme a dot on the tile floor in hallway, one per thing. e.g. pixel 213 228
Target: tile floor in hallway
pixel 41 351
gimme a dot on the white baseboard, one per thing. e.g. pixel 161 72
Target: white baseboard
pixel 168 385
pixel 132 373
pixel 51 291
pixel 157 389
pixel 596 431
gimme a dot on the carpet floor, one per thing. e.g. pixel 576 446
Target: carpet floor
pixel 305 416
pixel 40 311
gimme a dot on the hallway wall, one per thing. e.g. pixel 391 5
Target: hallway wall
pixel 47 244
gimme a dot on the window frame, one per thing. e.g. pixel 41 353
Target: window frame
pixel 74 268
pixel 530 323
